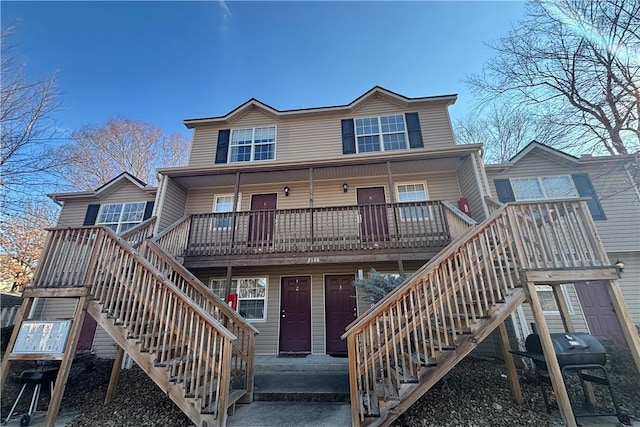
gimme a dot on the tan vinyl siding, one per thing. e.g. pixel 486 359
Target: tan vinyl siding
pixel 73 211
pixel 620 232
pixel 320 137
pixel 173 206
pixel 554 321
pixel 58 308
pixel 268 340
pixel 104 346
pixel 628 281
pixel 470 190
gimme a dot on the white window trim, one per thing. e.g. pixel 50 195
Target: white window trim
pixel 544 193
pixel 253 143
pixel 237 280
pixel 565 294
pixel 119 222
pixel 215 200
pixel 426 194
pixel 380 133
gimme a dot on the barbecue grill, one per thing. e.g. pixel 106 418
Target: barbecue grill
pixel 575 351
pixel 37 377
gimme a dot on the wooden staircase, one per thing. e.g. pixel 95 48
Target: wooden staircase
pixel 193 346
pixel 413 337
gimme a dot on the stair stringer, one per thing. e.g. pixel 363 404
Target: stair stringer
pixel 147 362
pixel 447 360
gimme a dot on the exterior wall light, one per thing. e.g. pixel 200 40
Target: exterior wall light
pixel 345 187
pixel 619 266
pixel 286 191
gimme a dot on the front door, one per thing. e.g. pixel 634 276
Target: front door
pixel 87 333
pixel 340 310
pixel 598 310
pixel 262 218
pixel 295 315
pixel 373 214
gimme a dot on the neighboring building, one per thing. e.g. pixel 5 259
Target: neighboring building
pixel 539 172
pixel 120 204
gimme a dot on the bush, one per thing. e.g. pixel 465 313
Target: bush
pixel 378 285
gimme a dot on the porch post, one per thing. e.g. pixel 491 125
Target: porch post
pixel 559 388
pixel 234 212
pixel 227 286
pixel 115 375
pixel 392 198
pixel 512 374
pixel 311 203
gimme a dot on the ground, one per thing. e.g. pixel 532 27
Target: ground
pixel 476 392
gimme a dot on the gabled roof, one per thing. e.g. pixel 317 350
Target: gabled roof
pixel 105 189
pixel 376 91
pixel 555 155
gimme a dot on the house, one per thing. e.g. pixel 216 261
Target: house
pixel 539 172
pixel 252 249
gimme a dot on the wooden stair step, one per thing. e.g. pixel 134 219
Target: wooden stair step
pixel 403 375
pixel 370 404
pixel 387 391
pixel 234 396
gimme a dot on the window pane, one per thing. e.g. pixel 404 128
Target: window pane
pixel 133 212
pixel 409 192
pixel 394 141
pixel 110 213
pixel 527 189
pixel 264 135
pixel 241 154
pixel 558 187
pixel 224 204
pixel 367 144
pixel 251 309
pixel 367 126
pixel 264 152
pixel 545 295
pixel 392 124
pixel 241 136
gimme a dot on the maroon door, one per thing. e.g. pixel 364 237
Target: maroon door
pixel 87 333
pixel 295 315
pixel 262 218
pixel 598 310
pixel 373 214
pixel 340 310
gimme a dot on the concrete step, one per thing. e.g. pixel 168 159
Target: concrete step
pixel 291 414
pixel 301 386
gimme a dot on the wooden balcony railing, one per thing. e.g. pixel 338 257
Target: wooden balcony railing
pixel 402 333
pixel 137 234
pixel 343 228
pixel 195 347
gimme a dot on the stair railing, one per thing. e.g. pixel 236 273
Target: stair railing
pixel 174 239
pixel 457 222
pixel 243 348
pixel 392 341
pixel 193 346
pixel 137 234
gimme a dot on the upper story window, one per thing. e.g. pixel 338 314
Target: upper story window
pixel 252 144
pixel 120 217
pixel 546 187
pixel 224 204
pixel 384 133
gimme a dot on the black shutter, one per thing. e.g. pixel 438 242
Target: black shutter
pixel 504 190
pixel 348 137
pixel 585 189
pixel 148 210
pixel 92 215
pixel 413 128
pixel 222 151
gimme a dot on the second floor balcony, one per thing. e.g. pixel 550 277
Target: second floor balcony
pixel 418 228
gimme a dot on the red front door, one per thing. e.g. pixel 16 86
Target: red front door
pixel 261 220
pixel 598 310
pixel 373 214
pixel 295 315
pixel 340 310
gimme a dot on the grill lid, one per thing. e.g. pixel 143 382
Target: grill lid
pixel 572 348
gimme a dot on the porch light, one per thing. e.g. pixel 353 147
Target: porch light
pixel 345 187
pixel 619 266
pixel 286 191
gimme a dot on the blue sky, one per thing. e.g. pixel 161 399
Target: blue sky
pixel 163 62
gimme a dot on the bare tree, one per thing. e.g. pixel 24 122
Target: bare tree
pixel 504 130
pixel 26 108
pixel 97 153
pixel 21 242
pixel 577 60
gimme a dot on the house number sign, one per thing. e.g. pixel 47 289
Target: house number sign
pixel 313 260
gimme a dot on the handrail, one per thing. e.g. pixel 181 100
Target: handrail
pixel 137 234
pixel 173 239
pixel 193 345
pixel 394 339
pixel 457 222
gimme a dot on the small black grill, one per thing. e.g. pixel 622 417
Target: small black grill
pixel 576 348
pixel 578 352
